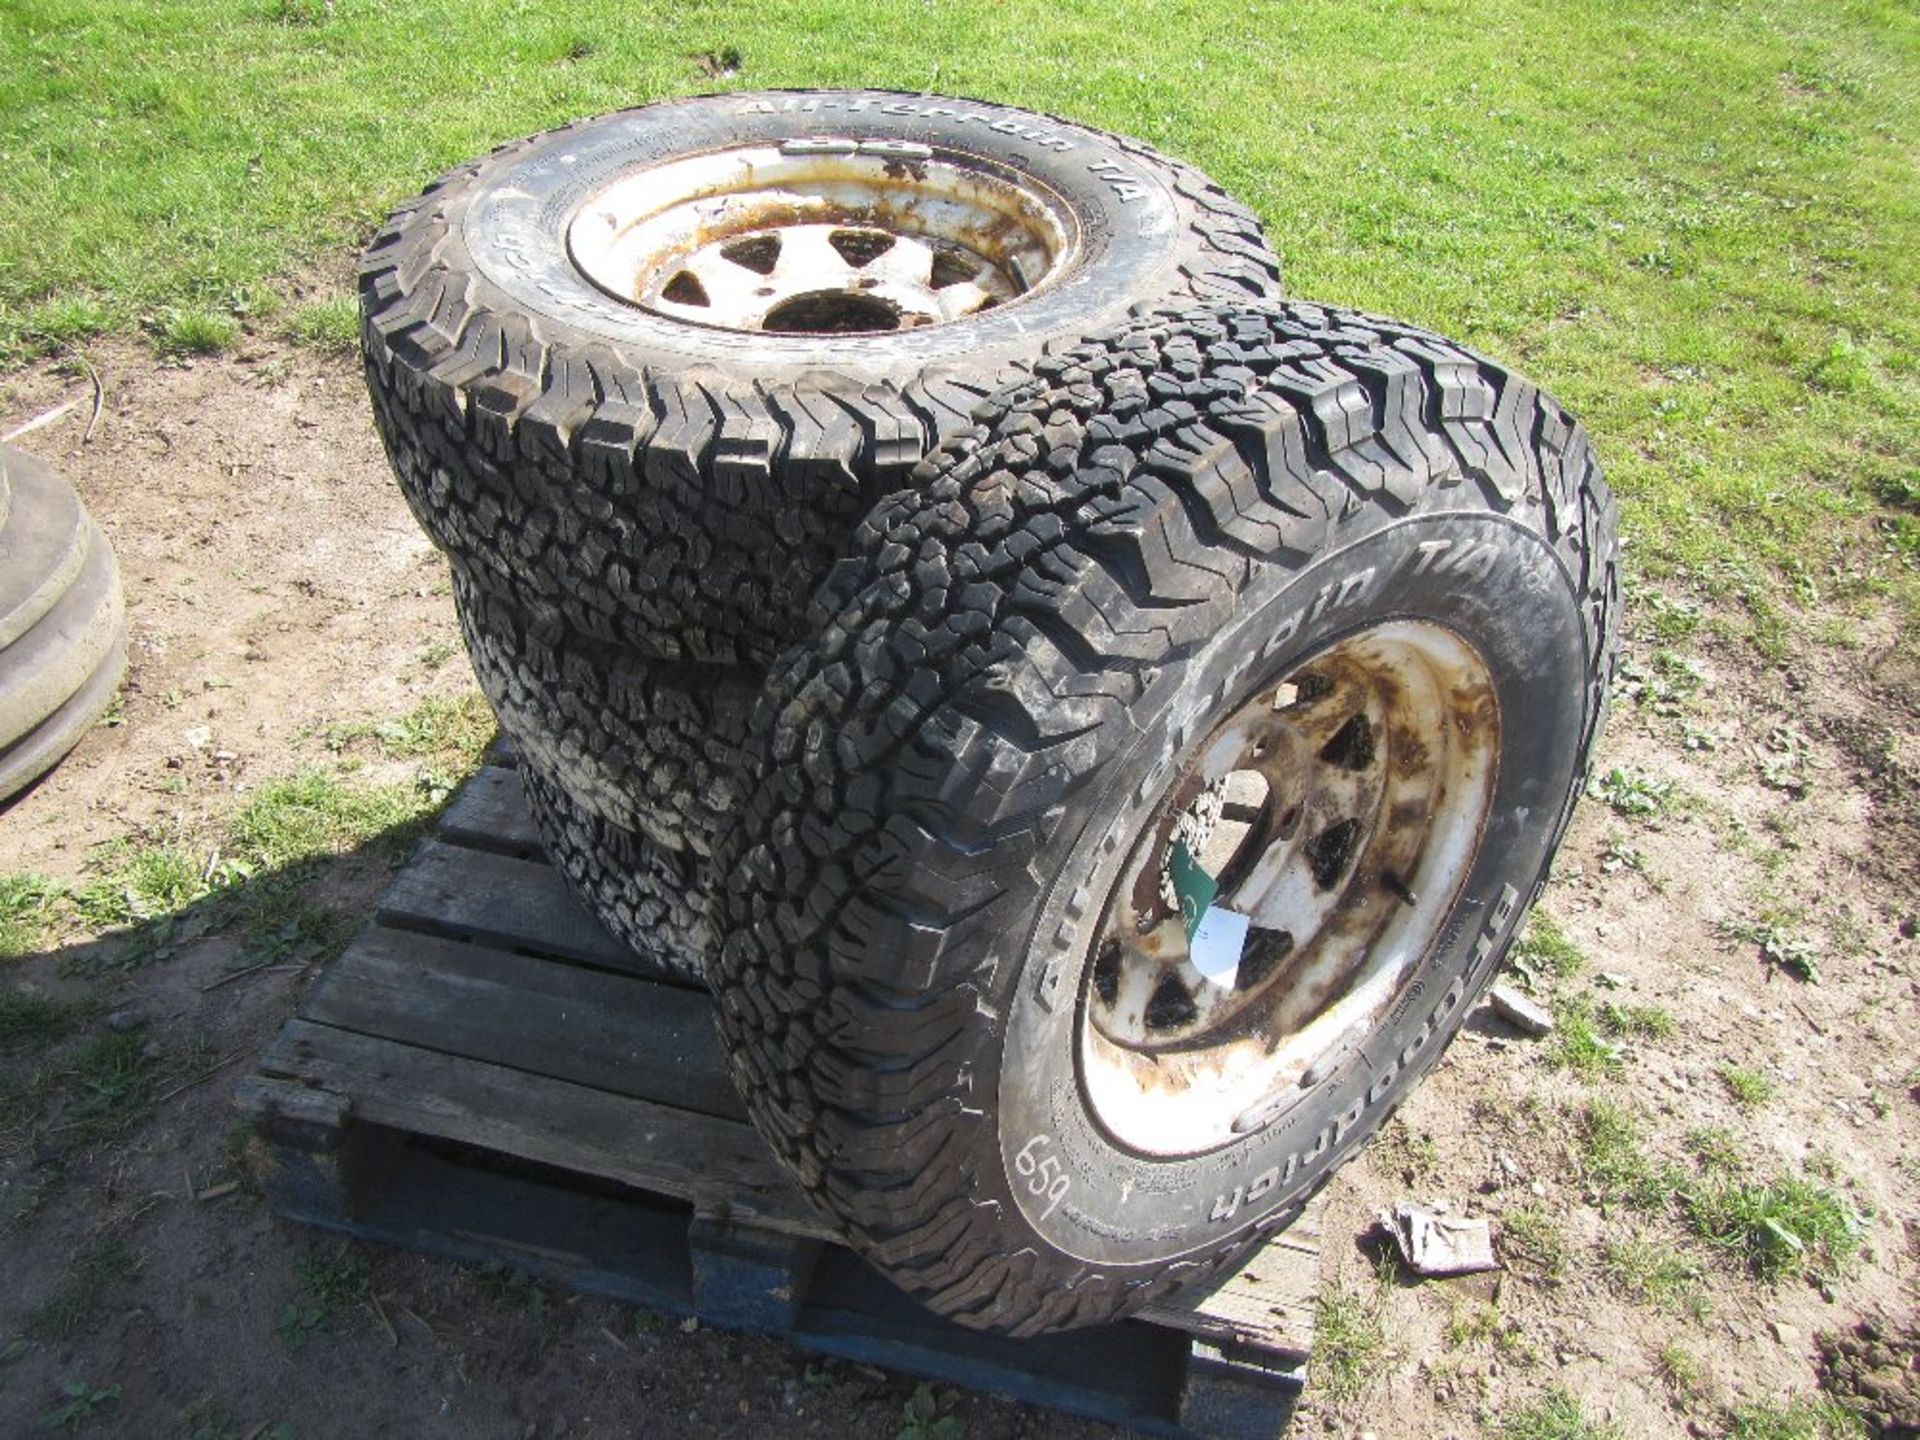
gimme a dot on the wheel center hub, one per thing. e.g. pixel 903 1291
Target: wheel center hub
pixel 823 237
pixel 1294 871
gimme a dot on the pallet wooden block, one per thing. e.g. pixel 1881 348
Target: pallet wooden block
pixel 486 1074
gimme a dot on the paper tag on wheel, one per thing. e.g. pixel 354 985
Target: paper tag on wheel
pixel 1192 886
pixel 1217 943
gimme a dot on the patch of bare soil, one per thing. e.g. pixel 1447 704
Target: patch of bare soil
pixel 280 591
pixel 1785 835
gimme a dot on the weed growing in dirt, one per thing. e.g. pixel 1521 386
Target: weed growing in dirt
pixel 1414 1157
pixel 38 1020
pixel 1632 793
pixel 111 1086
pixel 925 1417
pixel 1781 946
pixel 1349 1335
pixel 1749 1088
pixel 509 1288
pixel 79 1303
pixel 1648 1022
pixel 1794 1420
pixel 1716 1149
pixel 331 1282
pixel 1576 1043
pixel 1787 1227
pixel 330 326
pixel 1678 1370
pixel 1662 686
pixel 1532 1243
pixel 1648 1271
pixel 66 320
pixel 26 905
pixel 1543 951
pixel 1607 1141
pixel 450 729
pixel 135 882
pixel 1554 1415
pixel 193 331
pixel 80 1403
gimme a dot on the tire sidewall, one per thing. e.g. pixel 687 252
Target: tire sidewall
pixel 512 219
pixel 1501 587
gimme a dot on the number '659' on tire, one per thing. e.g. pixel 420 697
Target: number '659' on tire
pixel 1172 772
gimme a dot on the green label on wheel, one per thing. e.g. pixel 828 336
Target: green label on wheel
pixel 1194 886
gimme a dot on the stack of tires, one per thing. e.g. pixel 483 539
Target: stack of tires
pixel 63 636
pixel 1095 724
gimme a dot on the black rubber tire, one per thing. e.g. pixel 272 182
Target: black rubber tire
pixel 680 489
pixel 44 538
pixel 649 746
pixel 651 899
pixel 1012 661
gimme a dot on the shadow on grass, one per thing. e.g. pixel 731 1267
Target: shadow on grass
pixel 129 987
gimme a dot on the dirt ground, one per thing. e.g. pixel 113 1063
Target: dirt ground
pixel 280 591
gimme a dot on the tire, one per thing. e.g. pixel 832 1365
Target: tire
pixel 63 632
pixel 44 540
pixel 678 487
pixel 651 899
pixel 648 746
pixel 1021 677
pixel 49 742
pixel 41 670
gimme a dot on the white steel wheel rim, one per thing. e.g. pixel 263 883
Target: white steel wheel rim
pixel 823 237
pixel 1341 809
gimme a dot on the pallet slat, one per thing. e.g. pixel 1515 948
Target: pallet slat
pixel 500 900
pixel 485 1010
pixel 586 1026
pixel 718 1165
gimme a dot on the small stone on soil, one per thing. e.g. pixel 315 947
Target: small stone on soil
pixel 1520 1012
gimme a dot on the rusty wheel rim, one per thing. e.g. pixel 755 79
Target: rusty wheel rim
pixel 823 237
pixel 1339 810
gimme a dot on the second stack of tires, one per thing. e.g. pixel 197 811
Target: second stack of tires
pixel 63 636
pixel 639 489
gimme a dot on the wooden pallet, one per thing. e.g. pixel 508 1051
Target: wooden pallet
pixel 486 1074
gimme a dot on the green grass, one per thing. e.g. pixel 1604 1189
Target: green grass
pixel 109 1086
pixel 34 1018
pixel 26 914
pixel 1577 1044
pixel 1647 1271
pixel 1785 1227
pixel 1794 1420
pixel 1554 1415
pixel 1349 1337
pixel 1533 1243
pixel 195 331
pixel 1640 1022
pixel 135 882
pixel 330 325
pixel 1608 1145
pixel 1543 950
pixel 311 814
pixel 1749 1088
pixel 332 1282
pixel 1715 264
pixel 448 728
pixel 81 1300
